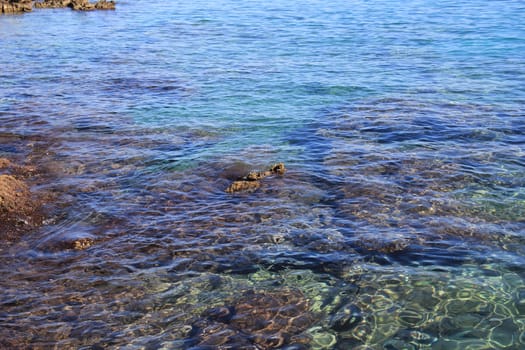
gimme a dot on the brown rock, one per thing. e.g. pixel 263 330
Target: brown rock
pixel 52 3
pixel 19 210
pixel 82 5
pixel 278 169
pixel 252 180
pixel 14 196
pixel 78 5
pixel 15 6
pixel 105 5
pixel 241 185
pixel 5 163
pixel 82 243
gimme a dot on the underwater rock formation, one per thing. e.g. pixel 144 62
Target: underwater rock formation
pixel 15 6
pixel 382 245
pixel 79 5
pixel 271 319
pixel 252 180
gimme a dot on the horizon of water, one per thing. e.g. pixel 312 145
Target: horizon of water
pixel 399 224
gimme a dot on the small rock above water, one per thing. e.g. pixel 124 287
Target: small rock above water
pixel 252 180
pixel 18 207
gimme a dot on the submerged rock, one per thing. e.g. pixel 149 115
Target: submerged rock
pixel 15 6
pixel 382 245
pixel 257 320
pixel 252 180
pixel 8 167
pixel 346 318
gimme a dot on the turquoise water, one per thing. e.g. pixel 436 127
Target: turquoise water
pixel 399 224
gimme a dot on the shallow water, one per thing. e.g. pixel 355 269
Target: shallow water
pixel 400 223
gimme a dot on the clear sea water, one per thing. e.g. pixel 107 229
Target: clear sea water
pixel 400 223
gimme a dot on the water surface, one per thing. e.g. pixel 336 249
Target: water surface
pixel 400 223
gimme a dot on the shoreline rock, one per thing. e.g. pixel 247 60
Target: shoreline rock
pixel 15 6
pixel 78 5
pixel 21 6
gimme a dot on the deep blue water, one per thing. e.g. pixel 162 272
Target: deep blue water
pixel 399 224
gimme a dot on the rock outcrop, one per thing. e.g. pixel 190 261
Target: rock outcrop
pixel 20 6
pixel 19 209
pixel 79 5
pixel 105 5
pixel 51 4
pixel 14 196
pixel 252 181
pixel 15 6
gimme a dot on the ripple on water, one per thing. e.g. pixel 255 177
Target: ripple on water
pixel 176 256
pixel 450 310
pixel 397 226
